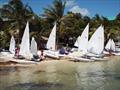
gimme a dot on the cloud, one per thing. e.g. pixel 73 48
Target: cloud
pixel 77 9
pixel 1 5
pixel 70 3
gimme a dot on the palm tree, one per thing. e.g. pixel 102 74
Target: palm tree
pixel 96 21
pixel 17 14
pixel 1 23
pixel 54 13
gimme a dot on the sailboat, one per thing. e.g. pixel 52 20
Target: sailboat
pixel 96 45
pixel 76 45
pixel 82 43
pixel 108 45
pixel 96 42
pixel 51 45
pixel 110 48
pixel 11 53
pixel 25 44
pixel 82 40
pixel 24 49
pixel 12 45
pixel 113 45
pixel 33 46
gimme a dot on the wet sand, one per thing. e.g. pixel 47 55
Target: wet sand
pixel 4 62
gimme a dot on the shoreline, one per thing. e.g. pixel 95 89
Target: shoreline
pixel 6 63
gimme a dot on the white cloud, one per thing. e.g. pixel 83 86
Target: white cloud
pixel 70 3
pixel 77 9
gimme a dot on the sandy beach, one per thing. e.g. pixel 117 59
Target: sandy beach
pixel 4 62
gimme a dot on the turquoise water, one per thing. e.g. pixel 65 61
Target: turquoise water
pixel 63 75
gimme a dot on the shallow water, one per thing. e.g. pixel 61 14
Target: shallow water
pixel 63 75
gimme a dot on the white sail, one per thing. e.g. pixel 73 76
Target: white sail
pixel 25 44
pixel 77 42
pixel 33 46
pixel 112 45
pixel 51 43
pixel 83 40
pixel 108 45
pixel 12 45
pixel 96 42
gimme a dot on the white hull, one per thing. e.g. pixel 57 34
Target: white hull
pixel 117 49
pixel 117 54
pixel 94 55
pixel 98 59
pixel 52 54
pixel 7 56
pixel 112 53
pixel 23 61
pixel 83 59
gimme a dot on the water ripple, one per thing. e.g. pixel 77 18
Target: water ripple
pixel 33 86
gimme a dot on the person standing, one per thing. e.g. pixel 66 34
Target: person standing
pixel 17 52
pixel 42 55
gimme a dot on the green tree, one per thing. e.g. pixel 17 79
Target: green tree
pixel 17 14
pixel 53 14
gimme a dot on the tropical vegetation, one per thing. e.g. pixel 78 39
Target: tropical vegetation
pixel 15 14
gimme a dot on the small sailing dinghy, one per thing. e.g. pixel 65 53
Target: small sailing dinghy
pixel 25 53
pixel 82 43
pixel 96 44
pixel 11 53
pixel 110 48
pixel 33 48
pixel 25 44
pixel 51 45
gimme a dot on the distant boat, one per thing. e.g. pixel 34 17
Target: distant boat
pixel 110 48
pixel 96 42
pixel 25 44
pixel 12 45
pixel 51 44
pixel 33 47
pixel 11 53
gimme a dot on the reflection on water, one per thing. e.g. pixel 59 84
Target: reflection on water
pixel 33 86
pixel 51 72
pixel 63 75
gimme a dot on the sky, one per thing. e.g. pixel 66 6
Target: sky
pixel 107 8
